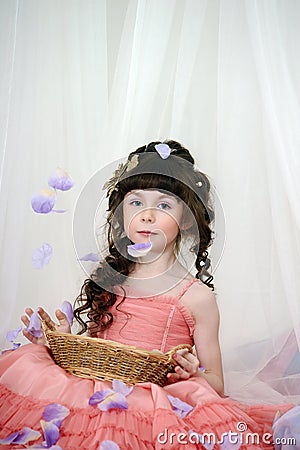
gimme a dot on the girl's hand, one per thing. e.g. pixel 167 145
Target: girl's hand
pixel 63 327
pixel 188 366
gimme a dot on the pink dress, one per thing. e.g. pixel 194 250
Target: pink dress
pixel 30 380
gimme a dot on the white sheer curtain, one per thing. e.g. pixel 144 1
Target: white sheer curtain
pixel 83 82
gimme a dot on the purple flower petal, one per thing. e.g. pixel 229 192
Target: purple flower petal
pixel 181 408
pixel 41 256
pixel 51 432
pixel 43 203
pixel 163 150
pixel 109 445
pixel 60 180
pixel 230 442
pixel 121 388
pixel 35 325
pixel 11 335
pixel 10 438
pixel 98 396
pixel 16 345
pixel 113 400
pixel 141 249
pixel 55 413
pixel 59 210
pixel 21 437
pixel 42 447
pixel 90 257
pixel 206 441
pixel 67 308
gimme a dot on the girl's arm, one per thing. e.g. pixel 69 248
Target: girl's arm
pixel 201 303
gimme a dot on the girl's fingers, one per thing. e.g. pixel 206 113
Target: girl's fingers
pixel 173 377
pixel 61 317
pixel 45 316
pixel 29 311
pixel 183 374
pixel 187 360
pixel 25 320
pixel 29 336
pixel 64 325
pixel 184 353
pixel 188 363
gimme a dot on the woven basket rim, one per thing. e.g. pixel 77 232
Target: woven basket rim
pixel 118 345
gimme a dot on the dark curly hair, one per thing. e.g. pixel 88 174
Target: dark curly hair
pixel 176 174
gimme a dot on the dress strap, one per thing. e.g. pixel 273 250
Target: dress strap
pixel 186 287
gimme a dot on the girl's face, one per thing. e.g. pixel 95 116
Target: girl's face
pixel 151 215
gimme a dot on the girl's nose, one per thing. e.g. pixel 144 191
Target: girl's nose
pixel 148 215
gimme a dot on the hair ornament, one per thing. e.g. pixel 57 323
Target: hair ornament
pixel 163 150
pixel 122 168
pixel 199 183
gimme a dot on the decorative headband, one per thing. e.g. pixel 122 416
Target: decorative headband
pixel 164 152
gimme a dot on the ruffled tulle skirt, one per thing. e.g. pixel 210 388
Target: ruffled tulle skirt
pixel 30 380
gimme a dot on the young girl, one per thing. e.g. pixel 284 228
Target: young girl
pixel 142 294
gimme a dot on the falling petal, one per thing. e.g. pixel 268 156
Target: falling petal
pixel 42 447
pixel 11 335
pixel 55 413
pixel 60 180
pixel 113 400
pixel 44 202
pixel 9 439
pixel 15 345
pixel 109 445
pixel 51 432
pixel 163 150
pixel 59 210
pixel 229 442
pixel 197 438
pixel 90 257
pixel 98 396
pixel 34 327
pixel 41 256
pixel 21 437
pixel 121 388
pixel 181 408
pixel 67 308
pixel 141 249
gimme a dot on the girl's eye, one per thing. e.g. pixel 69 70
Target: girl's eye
pixel 164 206
pixel 135 203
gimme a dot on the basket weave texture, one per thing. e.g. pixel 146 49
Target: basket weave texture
pixel 101 359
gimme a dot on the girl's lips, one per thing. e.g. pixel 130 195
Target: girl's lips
pixel 146 233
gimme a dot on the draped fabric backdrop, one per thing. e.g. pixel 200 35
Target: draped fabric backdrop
pixel 83 82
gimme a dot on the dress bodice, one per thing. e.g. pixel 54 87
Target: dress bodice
pixel 158 322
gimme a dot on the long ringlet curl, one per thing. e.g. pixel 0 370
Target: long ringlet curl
pixel 193 188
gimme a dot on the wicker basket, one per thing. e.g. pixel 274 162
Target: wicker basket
pixel 101 359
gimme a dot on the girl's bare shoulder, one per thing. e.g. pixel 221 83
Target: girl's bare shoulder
pixel 200 300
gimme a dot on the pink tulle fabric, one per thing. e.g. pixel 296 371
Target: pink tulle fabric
pixel 30 380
